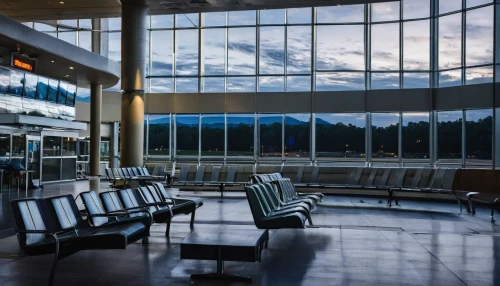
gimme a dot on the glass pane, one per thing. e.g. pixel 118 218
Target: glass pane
pixel 479 75
pixel 4 80
pixel 187 134
pixel 51 146
pixel 297 135
pixel 85 40
pixel 71 95
pixel 162 85
pixel 340 81
pixel 18 145
pixel 478 136
pixel 385 135
pixel 68 169
pixel 162 21
pixel 69 37
pixel 450 78
pixel 187 20
pixel 416 45
pixel 416 9
pixel 446 6
pixel 416 80
pixel 85 23
pixel 340 47
pixel 214 51
pixel 51 169
pixel 52 93
pixel 16 83
pixel 298 83
pixel 479 33
pixel 115 47
pixel 240 134
pixel 241 84
pixel 186 85
pixel 385 80
pixel 61 93
pixel 450 39
pixel 213 84
pixel 340 135
pixel 241 51
pixel 472 3
pixel 341 14
pixel 272 50
pixel 415 135
pixel 161 50
pixel 42 89
pixel 4 147
pixel 237 18
pixel 186 52
pixel 115 24
pixel 299 49
pixel 449 131
pixel 214 19
pixel 270 135
pixel 44 27
pixel 387 11
pixel 30 85
pixel 68 146
pixel 159 135
pixel 212 135
pixel 272 16
pixel 299 15
pixel 385 47
pixel 271 84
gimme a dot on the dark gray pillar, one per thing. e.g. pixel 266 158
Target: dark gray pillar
pixel 133 76
pixel 95 108
pixel 113 161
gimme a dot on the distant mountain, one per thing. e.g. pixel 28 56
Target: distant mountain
pixel 322 122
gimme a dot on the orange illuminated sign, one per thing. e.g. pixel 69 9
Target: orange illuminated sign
pixel 23 63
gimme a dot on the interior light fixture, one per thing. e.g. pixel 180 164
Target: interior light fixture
pixel 71 68
pixel 52 61
pixel 66 75
pixel 61 2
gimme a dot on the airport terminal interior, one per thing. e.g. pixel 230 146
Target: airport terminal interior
pixel 250 142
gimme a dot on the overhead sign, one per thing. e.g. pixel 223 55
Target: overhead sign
pixel 23 63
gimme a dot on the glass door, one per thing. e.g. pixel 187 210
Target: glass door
pixel 34 159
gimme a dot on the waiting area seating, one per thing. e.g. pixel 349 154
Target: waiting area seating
pixel 120 178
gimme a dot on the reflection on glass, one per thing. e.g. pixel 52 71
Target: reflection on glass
pixel 299 15
pixel 297 132
pixel 70 101
pixel 270 135
pixel 187 134
pixel 69 37
pixel 450 78
pixel 214 19
pixel 479 75
pixel 214 54
pixel 416 45
pixel 186 52
pixel 213 84
pixel 271 84
pixel 341 14
pixel 159 135
pixel 161 51
pixel 385 135
pixel 51 146
pixel 415 135
pixel 449 131
pixel 238 18
pixel 187 20
pixel 85 40
pixel 450 39
pixel 186 85
pixel 478 136
pixel 4 80
pixel 340 47
pixel 385 80
pixel 416 80
pixel 272 16
pixel 61 94
pixel 30 85
pixel 241 84
pixel 272 50
pixel 16 83
pixel 446 6
pixel 240 134
pixel 42 88
pixel 68 146
pixel 53 87
pixel 298 83
pixel 299 50
pixel 386 11
pixel 338 81
pixel 413 9
pixel 162 21
pixel 18 145
pixel 472 3
pixel 4 147
pixel 162 85
pixel 212 135
pixel 340 135
pixel 479 36
pixel 385 47
pixel 115 46
pixel 241 51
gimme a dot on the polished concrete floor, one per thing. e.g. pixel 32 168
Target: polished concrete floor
pixel 360 242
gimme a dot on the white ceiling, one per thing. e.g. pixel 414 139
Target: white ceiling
pixel 29 10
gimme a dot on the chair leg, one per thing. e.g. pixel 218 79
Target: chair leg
pixel 54 265
pixel 167 232
pixel 145 240
pixel 459 205
pixel 191 224
pixel 309 219
pixel 389 200
pixel 471 207
pixel 492 217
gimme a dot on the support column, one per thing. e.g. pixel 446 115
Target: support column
pixel 113 160
pixel 95 128
pixel 134 38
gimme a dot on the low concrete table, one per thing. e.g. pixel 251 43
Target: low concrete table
pixel 227 245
